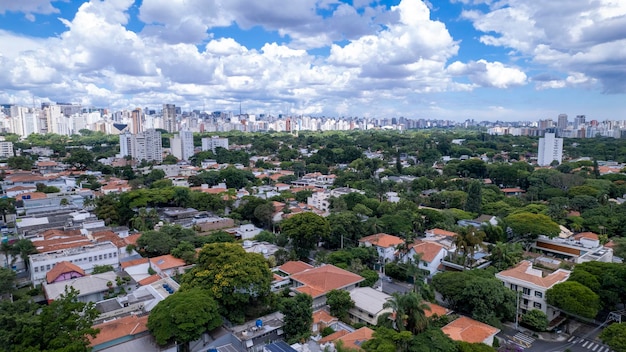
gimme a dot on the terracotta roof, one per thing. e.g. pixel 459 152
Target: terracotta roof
pixel 524 271
pixel 134 262
pixel 428 250
pixel 322 316
pixel 118 328
pixel 21 188
pixel 294 267
pixel 132 239
pixel 512 190
pixel 441 232
pixel 46 163
pixel 33 195
pixel 61 268
pixel 355 339
pixel 469 330
pixel 587 235
pixel 382 240
pixel 108 235
pixel 167 261
pixel 334 336
pixel 435 309
pixel 149 280
pixel 281 185
pixel 319 281
pixel 56 244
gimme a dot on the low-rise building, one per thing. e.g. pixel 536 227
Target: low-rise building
pixel 471 331
pixel 385 245
pixel 92 288
pixel 317 282
pixel 368 305
pixel 430 254
pixel 580 248
pixel 531 285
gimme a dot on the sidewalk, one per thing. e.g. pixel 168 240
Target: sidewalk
pixel 545 336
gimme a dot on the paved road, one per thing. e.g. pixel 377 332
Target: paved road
pixel 532 344
pixel 391 286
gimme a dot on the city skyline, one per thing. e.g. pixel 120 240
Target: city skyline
pixel 464 59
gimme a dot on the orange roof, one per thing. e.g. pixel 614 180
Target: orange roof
pixel 435 309
pixel 118 328
pixel 587 235
pixel 382 240
pixel 33 195
pixel 469 330
pixel 355 339
pixel 441 232
pixel 150 279
pixel 512 190
pixel 524 271
pixel 134 262
pixel 322 316
pixel 61 268
pixel 281 185
pixel 167 261
pixel 334 336
pixel 294 267
pixel 132 239
pixel 46 163
pixel 108 235
pixel 21 188
pixel 428 250
pixel 318 281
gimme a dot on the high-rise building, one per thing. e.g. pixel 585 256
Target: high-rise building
pixel 137 120
pixel 169 118
pixel 182 145
pixel 214 142
pixel 579 121
pixel 550 149
pixel 562 122
pixel 142 146
pixel 126 144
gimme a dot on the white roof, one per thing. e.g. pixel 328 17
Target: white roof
pixel 86 285
pixel 369 299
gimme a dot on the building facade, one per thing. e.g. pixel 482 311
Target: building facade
pixel 550 149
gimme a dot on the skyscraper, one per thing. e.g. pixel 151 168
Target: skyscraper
pixel 169 118
pixel 579 121
pixel 182 145
pixel 562 122
pixel 550 149
pixel 142 146
pixel 137 120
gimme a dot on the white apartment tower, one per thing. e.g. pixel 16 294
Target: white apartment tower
pixel 142 146
pixel 550 149
pixel 169 118
pixel 214 142
pixel 182 145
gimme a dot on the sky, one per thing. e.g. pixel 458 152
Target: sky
pixel 445 59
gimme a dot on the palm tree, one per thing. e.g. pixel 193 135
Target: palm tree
pixel 466 241
pixel 408 312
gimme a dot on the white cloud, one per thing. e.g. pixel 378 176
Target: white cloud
pixel 28 7
pixel 489 74
pixel 588 37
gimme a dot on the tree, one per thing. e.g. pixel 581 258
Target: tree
pixel 24 247
pixel 473 203
pixel 305 230
pixel 615 336
pixel 505 255
pixel 409 312
pixel 574 298
pixel 466 241
pixel 340 303
pixel 80 158
pixel 528 226
pixel 185 251
pixel 183 317
pixel 7 206
pixel 20 163
pixel 7 281
pixel 535 319
pixel 99 269
pixel 298 317
pixel 236 279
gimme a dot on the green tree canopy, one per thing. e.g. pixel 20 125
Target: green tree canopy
pixel 574 298
pixel 183 317
pixel 305 230
pixel 615 336
pixel 298 317
pixel 340 303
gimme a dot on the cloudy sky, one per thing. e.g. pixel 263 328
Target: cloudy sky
pixel 453 59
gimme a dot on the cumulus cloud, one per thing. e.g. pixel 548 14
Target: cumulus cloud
pixel 587 37
pixel 489 74
pixel 28 7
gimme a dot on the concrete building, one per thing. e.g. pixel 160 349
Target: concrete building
pixel 531 285
pixel 550 149
pixel 213 143
pixel 182 145
pixel 145 146
pixel 6 148
pixel 169 118
pixel 385 245
pixel 368 305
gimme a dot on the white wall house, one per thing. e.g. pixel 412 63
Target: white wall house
pixel 532 286
pixel 431 255
pixel 385 245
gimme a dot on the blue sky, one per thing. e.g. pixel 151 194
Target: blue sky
pixel 455 59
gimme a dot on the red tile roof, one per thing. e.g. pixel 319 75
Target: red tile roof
pixel 318 281
pixel 428 250
pixel 435 309
pixel 149 280
pixel 167 261
pixel 62 268
pixel 322 316
pixel 524 271
pixel 469 330
pixel 118 328
pixel 587 235
pixel 132 239
pixel 355 339
pixel 382 240
pixel 134 262
pixel 441 232
pixel 294 267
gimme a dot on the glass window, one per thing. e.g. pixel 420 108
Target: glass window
pixel 36 269
pixel 538 294
pixel 48 267
pixel 537 305
pixel 526 290
pixel 90 259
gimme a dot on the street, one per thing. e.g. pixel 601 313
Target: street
pixel 561 342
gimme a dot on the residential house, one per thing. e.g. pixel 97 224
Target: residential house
pixel 368 305
pixel 471 331
pixel 115 333
pixel 579 248
pixel 350 340
pixel 385 245
pixel 168 265
pixel 64 271
pixel 92 288
pixel 255 334
pixel 512 192
pixel 431 255
pixel 531 284
pixel 318 281
pixel 321 320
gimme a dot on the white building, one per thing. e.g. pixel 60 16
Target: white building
pixel 385 245
pixel 532 286
pixel 182 145
pixel 143 146
pixel 550 149
pixel 368 305
pixel 213 143
pixel 85 256
pixel 6 149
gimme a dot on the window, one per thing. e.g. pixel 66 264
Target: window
pixel 115 254
pixel 36 269
pixel 525 302
pixel 526 290
pixel 90 259
pixel 513 287
pixel 538 294
pixel 110 255
pixel 41 268
pixel 537 305
pixel 48 267
pixel 100 257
